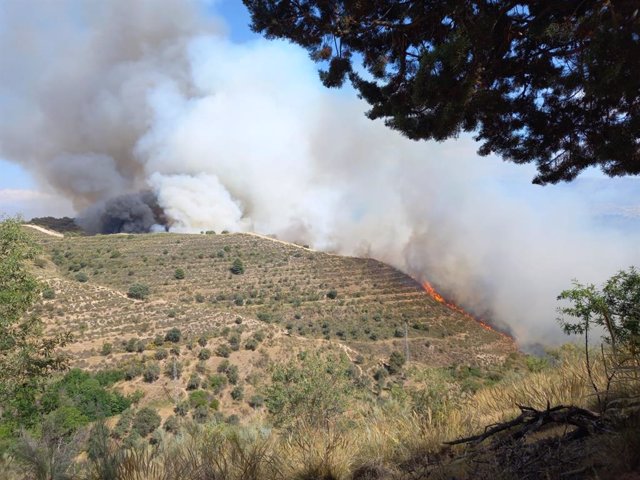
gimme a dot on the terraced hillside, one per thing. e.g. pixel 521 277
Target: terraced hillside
pixel 360 302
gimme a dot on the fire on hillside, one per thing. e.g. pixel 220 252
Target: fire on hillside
pixel 433 293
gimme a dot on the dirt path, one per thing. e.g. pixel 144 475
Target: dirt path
pixel 44 230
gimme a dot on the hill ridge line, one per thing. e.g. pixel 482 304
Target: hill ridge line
pixel 43 230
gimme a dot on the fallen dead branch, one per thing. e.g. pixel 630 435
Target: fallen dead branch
pixel 531 420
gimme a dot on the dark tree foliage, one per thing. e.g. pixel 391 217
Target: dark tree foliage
pixel 556 83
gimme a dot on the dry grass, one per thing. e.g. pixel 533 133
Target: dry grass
pixel 394 439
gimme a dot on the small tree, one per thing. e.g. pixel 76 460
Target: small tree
pixel 27 358
pixel 615 308
pixel 237 267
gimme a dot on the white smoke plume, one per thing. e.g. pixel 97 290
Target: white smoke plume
pixel 103 99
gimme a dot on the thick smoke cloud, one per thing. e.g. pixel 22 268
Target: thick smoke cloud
pixel 113 98
pixel 128 213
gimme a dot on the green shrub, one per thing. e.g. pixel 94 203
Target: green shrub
pixel 151 372
pixel 204 354
pixel 217 383
pixel 48 293
pixel 251 344
pixel 256 401
pixel 145 421
pixel 237 267
pixel 123 425
pixel 194 382
pixel 158 341
pixel 202 341
pixel 161 354
pixel 138 291
pixel 396 362
pixel 310 389
pixel 109 376
pixel 232 374
pixel 40 262
pixel 179 274
pixel 332 294
pixel 133 370
pixel 234 342
pixel 173 369
pixel 223 366
pixel 85 393
pixel 181 408
pixel 107 348
pixel 130 345
pixel 171 424
pixel 174 335
pixel 237 393
pixel 201 414
pixel 265 317
pixel 198 398
pixel 82 277
pixel 223 351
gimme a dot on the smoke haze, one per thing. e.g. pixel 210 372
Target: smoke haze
pixel 102 100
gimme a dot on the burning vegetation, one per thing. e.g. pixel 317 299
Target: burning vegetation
pixel 433 293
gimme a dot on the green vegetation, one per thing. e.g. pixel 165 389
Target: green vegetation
pixel 138 291
pixel 237 267
pixel 146 421
pixel 82 277
pixel 174 335
pixel 325 384
pixel 27 358
pixel 240 385
pixel 179 274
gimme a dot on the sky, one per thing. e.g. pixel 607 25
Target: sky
pixel 235 132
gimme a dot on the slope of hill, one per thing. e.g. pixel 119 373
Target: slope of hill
pixel 359 302
pixel 297 355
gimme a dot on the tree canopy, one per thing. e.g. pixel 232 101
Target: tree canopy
pixel 27 357
pixel 546 82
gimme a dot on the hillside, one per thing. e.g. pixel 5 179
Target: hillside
pixel 282 284
pixel 290 363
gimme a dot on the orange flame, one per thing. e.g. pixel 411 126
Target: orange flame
pixel 439 298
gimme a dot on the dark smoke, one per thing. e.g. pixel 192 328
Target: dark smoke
pixel 130 213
